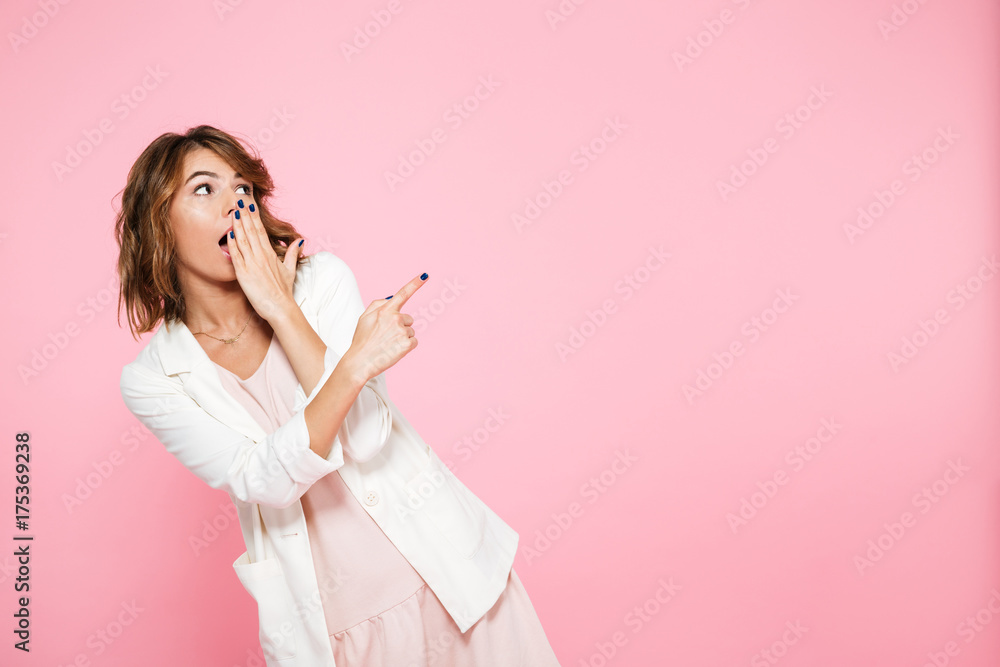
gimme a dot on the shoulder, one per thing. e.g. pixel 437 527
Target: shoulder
pixel 321 268
pixel 148 365
pixel 145 377
pixel 323 261
pixel 323 274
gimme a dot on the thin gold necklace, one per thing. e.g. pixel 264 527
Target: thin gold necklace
pixel 229 341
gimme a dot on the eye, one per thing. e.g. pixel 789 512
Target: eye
pixel 249 189
pixel 203 185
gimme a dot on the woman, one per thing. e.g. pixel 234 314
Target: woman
pixel 265 377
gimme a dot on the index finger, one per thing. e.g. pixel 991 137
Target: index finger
pixel 400 297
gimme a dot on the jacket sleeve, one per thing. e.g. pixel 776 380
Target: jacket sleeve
pixel 274 471
pixel 369 421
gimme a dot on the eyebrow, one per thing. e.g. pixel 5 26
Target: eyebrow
pixel 210 174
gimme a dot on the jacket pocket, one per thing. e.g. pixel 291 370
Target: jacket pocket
pixel 450 506
pixel 265 581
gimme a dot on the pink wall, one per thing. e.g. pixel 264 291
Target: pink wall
pixel 699 171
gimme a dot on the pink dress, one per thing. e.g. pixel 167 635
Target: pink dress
pixel 379 611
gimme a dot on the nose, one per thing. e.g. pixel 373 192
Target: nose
pixel 230 205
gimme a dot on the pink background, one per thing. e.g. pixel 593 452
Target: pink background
pixel 99 81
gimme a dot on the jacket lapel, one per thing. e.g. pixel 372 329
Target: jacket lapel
pixel 183 358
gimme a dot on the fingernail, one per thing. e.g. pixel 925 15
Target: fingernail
pixel 231 235
pixel 237 215
pixel 389 297
pixel 252 209
pixel 240 203
pixel 301 242
pixel 423 276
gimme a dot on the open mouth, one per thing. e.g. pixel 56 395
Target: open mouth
pixel 224 244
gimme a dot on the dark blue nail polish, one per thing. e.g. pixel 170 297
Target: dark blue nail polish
pixel 423 276
pixel 237 215
pixel 240 203
pixel 231 235
pixel 252 209
pixel 389 297
pixel 301 242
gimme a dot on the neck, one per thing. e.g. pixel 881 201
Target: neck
pixel 221 310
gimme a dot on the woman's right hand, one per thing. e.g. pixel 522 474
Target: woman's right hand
pixel 383 335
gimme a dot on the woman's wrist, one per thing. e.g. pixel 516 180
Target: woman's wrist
pixel 351 369
pixel 283 314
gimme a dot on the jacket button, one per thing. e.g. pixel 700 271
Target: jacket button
pixel 371 498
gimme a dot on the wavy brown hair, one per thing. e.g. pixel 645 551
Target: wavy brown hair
pixel 150 290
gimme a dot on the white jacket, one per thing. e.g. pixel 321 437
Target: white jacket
pixel 461 548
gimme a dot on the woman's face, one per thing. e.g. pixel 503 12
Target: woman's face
pixel 201 213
